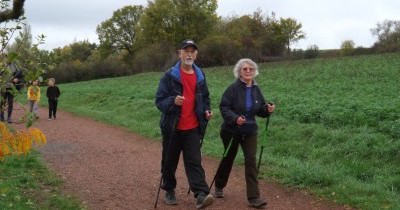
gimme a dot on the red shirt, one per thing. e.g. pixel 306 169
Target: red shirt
pixel 188 119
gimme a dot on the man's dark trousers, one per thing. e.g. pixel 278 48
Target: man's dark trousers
pixel 188 142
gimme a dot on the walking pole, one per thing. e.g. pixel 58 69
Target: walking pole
pixel 262 146
pixel 158 192
pixel 165 162
pixel 223 157
pixel 203 134
pixel 201 143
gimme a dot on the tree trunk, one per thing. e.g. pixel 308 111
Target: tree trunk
pixel 14 13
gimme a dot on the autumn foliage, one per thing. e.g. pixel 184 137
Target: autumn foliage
pixel 19 142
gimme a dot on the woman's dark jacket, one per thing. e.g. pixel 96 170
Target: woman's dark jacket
pixel 169 87
pixel 233 105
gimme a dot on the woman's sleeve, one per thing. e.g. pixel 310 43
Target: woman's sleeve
pixel 226 106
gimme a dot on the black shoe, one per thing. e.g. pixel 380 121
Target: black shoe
pixel 257 203
pixel 170 198
pixel 204 200
pixel 219 193
pixel 163 187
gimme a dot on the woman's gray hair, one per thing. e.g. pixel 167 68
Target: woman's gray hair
pixel 239 65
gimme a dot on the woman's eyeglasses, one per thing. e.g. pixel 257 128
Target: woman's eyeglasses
pixel 248 69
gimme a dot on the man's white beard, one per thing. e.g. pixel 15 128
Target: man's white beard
pixel 188 62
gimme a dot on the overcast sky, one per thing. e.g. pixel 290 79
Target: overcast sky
pixel 327 23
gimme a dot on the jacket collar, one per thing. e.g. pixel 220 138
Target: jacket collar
pixel 241 82
pixel 176 72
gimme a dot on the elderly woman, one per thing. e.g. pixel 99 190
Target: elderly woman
pixel 241 102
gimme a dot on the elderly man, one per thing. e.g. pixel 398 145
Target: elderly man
pixel 183 99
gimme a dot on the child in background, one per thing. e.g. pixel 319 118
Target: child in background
pixel 52 94
pixel 34 97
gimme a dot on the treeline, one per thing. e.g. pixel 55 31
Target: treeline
pixel 140 39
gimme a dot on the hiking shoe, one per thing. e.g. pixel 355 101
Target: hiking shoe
pixel 170 198
pixel 257 203
pixel 204 200
pixel 219 193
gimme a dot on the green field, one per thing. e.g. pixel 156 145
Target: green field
pixel 26 183
pixel 336 130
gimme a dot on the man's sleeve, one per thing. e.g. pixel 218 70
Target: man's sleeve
pixel 164 99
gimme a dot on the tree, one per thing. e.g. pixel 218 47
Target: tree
pixel 171 21
pixel 289 31
pixel 195 18
pixel 25 139
pixel 218 50
pixel 121 30
pixel 82 50
pixel 311 52
pixel 29 57
pixel 347 48
pixel 11 14
pixel 388 34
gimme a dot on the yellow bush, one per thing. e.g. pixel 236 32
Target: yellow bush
pixel 19 142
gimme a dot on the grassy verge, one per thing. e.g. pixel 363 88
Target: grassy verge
pixel 335 132
pixel 25 183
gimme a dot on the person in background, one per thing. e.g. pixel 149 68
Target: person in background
pixel 241 102
pixel 183 99
pixel 52 93
pixel 34 98
pixel 14 84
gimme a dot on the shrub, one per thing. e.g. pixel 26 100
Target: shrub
pixel 347 48
pixel 311 52
pixel 18 142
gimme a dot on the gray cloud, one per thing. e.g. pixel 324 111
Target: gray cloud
pixel 74 20
pixel 326 22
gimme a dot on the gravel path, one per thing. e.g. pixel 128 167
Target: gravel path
pixel 108 167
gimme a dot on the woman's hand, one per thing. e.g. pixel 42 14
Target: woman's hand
pixel 270 107
pixel 240 120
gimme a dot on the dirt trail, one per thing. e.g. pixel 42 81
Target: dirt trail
pixel 109 167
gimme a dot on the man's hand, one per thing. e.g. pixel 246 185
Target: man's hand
pixel 179 100
pixel 241 120
pixel 208 115
pixel 15 80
